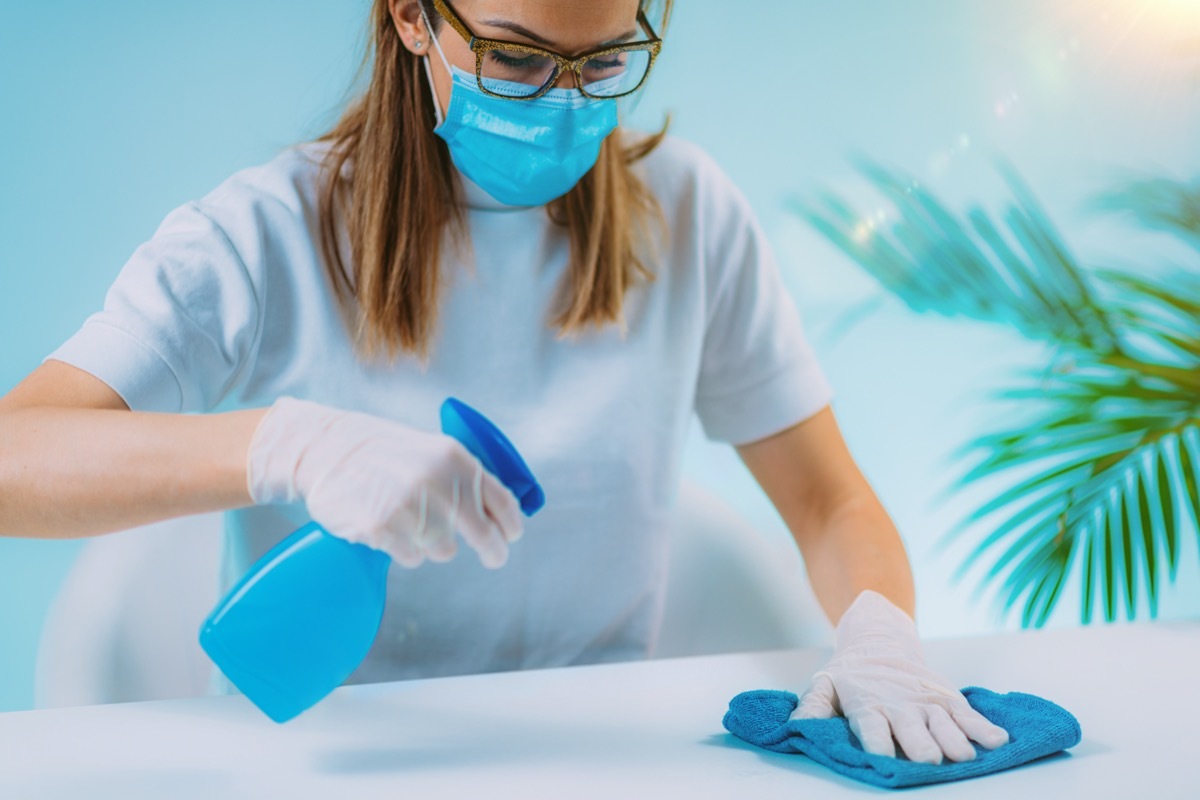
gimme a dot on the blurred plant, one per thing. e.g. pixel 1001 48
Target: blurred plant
pixel 1113 444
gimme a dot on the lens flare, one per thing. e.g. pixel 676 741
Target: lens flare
pixel 1144 35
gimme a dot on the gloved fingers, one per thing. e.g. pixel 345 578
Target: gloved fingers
pixel 912 732
pixel 439 542
pixel 873 732
pixel 477 527
pixel 977 727
pixel 427 525
pixel 948 735
pixel 502 506
pixel 402 540
pixel 441 549
pixel 402 549
pixel 817 702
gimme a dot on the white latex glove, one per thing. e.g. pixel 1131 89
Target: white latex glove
pixel 878 680
pixel 380 483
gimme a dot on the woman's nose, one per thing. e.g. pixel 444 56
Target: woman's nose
pixel 566 80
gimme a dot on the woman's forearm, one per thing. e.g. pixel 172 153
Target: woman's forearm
pixel 857 548
pixel 69 472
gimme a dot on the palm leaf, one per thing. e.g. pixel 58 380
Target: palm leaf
pixel 1106 487
pixel 1104 440
pixel 1145 542
pixel 1087 537
pixel 1110 450
pixel 1189 459
pixel 933 262
pixel 1095 476
pixel 1166 507
pixel 1158 203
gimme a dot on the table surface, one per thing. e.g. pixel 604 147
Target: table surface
pixel 644 729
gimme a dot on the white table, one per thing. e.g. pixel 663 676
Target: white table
pixel 646 729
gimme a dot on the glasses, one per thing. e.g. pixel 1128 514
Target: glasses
pixel 518 71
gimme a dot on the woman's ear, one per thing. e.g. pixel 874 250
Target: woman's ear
pixel 406 15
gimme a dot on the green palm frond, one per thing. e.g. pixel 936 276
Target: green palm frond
pixel 1160 204
pixel 1110 453
pixel 1025 277
pixel 1118 446
pixel 1114 469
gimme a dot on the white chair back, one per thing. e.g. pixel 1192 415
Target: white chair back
pixel 124 626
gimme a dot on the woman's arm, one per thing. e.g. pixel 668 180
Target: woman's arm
pixel 877 677
pixel 75 461
pixel 848 541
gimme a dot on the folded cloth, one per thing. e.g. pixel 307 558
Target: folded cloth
pixel 1036 727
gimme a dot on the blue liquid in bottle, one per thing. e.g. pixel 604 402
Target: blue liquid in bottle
pixel 304 616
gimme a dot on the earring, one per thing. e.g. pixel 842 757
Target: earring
pixel 417 45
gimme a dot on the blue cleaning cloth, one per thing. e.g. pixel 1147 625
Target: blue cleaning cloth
pixel 1036 727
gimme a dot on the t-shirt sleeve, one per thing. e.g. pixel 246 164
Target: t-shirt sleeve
pixel 177 324
pixel 758 372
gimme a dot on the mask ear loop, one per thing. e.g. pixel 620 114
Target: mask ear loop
pixel 437 105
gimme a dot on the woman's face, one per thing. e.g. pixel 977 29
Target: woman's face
pixel 565 26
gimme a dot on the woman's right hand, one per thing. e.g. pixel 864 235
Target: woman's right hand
pixel 381 483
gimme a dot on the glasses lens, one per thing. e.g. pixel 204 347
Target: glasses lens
pixel 515 73
pixel 616 73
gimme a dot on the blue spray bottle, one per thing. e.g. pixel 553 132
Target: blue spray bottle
pixel 305 615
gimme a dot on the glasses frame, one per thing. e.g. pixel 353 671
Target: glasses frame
pixel 481 47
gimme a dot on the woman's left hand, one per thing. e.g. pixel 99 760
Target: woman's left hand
pixel 878 679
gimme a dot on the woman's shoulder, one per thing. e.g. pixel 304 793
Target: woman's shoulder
pixel 288 182
pixel 259 217
pixel 257 210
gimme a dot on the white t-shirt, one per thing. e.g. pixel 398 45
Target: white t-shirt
pixel 229 304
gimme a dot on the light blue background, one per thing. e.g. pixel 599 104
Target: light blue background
pixel 114 113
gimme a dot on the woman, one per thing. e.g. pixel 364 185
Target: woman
pixel 476 225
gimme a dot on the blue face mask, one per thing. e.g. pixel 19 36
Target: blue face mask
pixel 522 152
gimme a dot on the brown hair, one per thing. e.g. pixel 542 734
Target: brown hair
pixel 401 200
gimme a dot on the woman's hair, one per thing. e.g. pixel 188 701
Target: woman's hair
pixel 401 204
